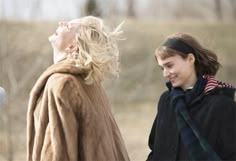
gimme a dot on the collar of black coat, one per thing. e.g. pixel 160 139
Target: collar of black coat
pixel 228 90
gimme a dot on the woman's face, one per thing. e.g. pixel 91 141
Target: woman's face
pixel 179 71
pixel 64 35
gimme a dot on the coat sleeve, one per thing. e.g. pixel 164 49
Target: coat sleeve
pixel 153 133
pixel 63 100
pixel 227 131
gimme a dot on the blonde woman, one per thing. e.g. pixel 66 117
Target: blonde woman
pixel 196 115
pixel 69 116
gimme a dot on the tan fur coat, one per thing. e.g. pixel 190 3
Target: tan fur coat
pixel 68 120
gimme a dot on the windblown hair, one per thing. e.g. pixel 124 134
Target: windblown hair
pixel 206 61
pixel 97 49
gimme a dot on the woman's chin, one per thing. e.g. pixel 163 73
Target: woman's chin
pixel 174 84
pixel 52 38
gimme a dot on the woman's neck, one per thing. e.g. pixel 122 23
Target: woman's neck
pixel 190 83
pixel 58 56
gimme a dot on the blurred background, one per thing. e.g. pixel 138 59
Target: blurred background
pixel 25 53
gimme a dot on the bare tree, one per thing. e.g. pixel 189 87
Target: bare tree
pixel 14 87
pixel 112 5
pixel 180 9
pixel 2 9
pixel 91 8
pixel 155 7
pixel 218 9
pixel 130 8
pixel 233 4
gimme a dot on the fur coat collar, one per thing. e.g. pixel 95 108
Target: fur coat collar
pixel 68 120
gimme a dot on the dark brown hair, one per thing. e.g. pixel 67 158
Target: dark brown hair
pixel 206 61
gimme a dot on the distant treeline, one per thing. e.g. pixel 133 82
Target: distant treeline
pixel 209 10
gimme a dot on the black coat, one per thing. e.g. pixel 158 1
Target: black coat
pixel 214 115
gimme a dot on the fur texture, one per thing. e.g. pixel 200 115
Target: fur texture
pixel 69 120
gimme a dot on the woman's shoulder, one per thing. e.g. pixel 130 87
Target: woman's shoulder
pixel 222 94
pixel 60 78
pixel 60 81
pixel 222 100
pixel 165 95
pixel 164 99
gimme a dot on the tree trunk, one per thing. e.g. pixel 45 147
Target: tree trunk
pixel 112 5
pixel 91 8
pixel 180 9
pixel 130 9
pixel 155 8
pixel 233 4
pixel 218 9
pixel 2 9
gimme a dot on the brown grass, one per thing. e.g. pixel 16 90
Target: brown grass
pixel 133 96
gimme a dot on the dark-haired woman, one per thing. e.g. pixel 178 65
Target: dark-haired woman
pixel 197 114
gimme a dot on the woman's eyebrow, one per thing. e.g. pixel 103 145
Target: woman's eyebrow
pixel 167 63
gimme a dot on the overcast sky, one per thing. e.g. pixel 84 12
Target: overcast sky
pixel 51 9
pixel 54 9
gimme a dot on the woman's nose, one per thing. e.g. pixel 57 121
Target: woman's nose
pixel 165 73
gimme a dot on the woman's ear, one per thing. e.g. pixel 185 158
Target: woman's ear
pixel 191 58
pixel 72 48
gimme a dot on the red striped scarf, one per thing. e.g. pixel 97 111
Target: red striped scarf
pixel 213 83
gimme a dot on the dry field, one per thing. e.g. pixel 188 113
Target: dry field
pixel 25 53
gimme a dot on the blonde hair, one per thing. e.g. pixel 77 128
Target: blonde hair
pixel 97 49
pixel 206 61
